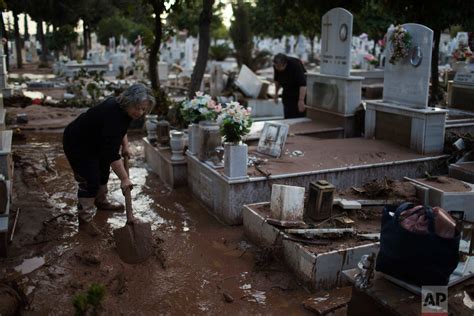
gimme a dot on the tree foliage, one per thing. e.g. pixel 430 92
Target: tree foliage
pixel 187 17
pixel 241 33
pixel 118 24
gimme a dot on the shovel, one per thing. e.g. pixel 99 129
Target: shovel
pixel 134 241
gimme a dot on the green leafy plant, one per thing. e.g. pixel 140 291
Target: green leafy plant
pixel 80 304
pixel 220 52
pixel 89 302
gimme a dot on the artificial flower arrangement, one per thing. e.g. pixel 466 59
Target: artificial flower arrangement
pixel 401 44
pixel 462 52
pixel 201 108
pixel 371 59
pixel 234 121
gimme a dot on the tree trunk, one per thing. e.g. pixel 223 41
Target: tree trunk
pixel 25 23
pixel 19 61
pixel 39 31
pixel 436 92
pixel 204 43
pixel 311 56
pixel 158 8
pixel 86 39
pixel 69 51
pixel 3 34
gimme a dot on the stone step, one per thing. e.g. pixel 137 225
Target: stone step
pixel 6 160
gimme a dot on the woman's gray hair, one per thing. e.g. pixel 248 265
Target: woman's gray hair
pixel 135 94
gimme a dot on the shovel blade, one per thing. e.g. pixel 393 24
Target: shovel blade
pixel 134 242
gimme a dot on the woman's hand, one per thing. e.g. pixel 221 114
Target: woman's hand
pixel 301 106
pixel 125 152
pixel 126 184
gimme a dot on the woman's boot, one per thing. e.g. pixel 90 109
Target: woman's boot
pixel 105 205
pixel 86 212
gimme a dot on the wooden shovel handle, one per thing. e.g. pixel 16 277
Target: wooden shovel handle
pixel 128 205
pixel 128 195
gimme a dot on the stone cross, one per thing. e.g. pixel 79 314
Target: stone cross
pixel 327 24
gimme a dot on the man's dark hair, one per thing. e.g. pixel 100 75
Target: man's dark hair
pixel 280 59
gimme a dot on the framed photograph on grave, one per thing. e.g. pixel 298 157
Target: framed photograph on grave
pixel 343 32
pixel 272 139
pixel 416 56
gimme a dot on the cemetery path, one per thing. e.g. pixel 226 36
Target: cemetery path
pixel 199 263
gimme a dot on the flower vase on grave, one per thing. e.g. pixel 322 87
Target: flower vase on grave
pixel 177 145
pixel 193 138
pixel 150 125
pixel 235 160
pixel 209 140
pixel 163 133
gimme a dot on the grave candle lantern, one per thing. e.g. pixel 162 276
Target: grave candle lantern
pixel 209 139
pixel 321 198
pixel 150 124
pixel 163 132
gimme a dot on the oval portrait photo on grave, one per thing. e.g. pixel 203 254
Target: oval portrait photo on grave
pixel 416 56
pixel 343 32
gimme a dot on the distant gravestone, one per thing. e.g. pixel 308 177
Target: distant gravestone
pixel 336 42
pixel 217 80
pixel 462 37
pixel 273 139
pixel 406 83
pixel 464 78
pixel 249 82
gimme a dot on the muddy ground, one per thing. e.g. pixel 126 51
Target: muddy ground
pixel 198 261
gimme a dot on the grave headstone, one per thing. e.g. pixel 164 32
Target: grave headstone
pixel 5 89
pixel 403 116
pixel 249 82
pixel 217 80
pixel 336 42
pixel 188 53
pixel 406 83
pixel 273 139
pixel 461 91
pixel 287 203
pixel 464 78
pixel 462 37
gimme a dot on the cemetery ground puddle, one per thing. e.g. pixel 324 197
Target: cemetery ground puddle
pixel 199 263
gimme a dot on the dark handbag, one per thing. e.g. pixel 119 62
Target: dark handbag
pixel 419 259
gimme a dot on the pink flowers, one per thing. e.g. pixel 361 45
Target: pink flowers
pixel 401 44
pixel 462 52
pixel 369 57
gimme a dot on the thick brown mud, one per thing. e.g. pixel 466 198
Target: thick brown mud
pixel 200 266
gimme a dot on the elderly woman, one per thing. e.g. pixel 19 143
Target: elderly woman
pixel 92 144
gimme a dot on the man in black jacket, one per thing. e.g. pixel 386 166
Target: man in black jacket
pixel 92 144
pixel 290 75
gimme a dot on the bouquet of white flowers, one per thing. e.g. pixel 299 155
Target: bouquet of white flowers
pixel 235 122
pixel 201 108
